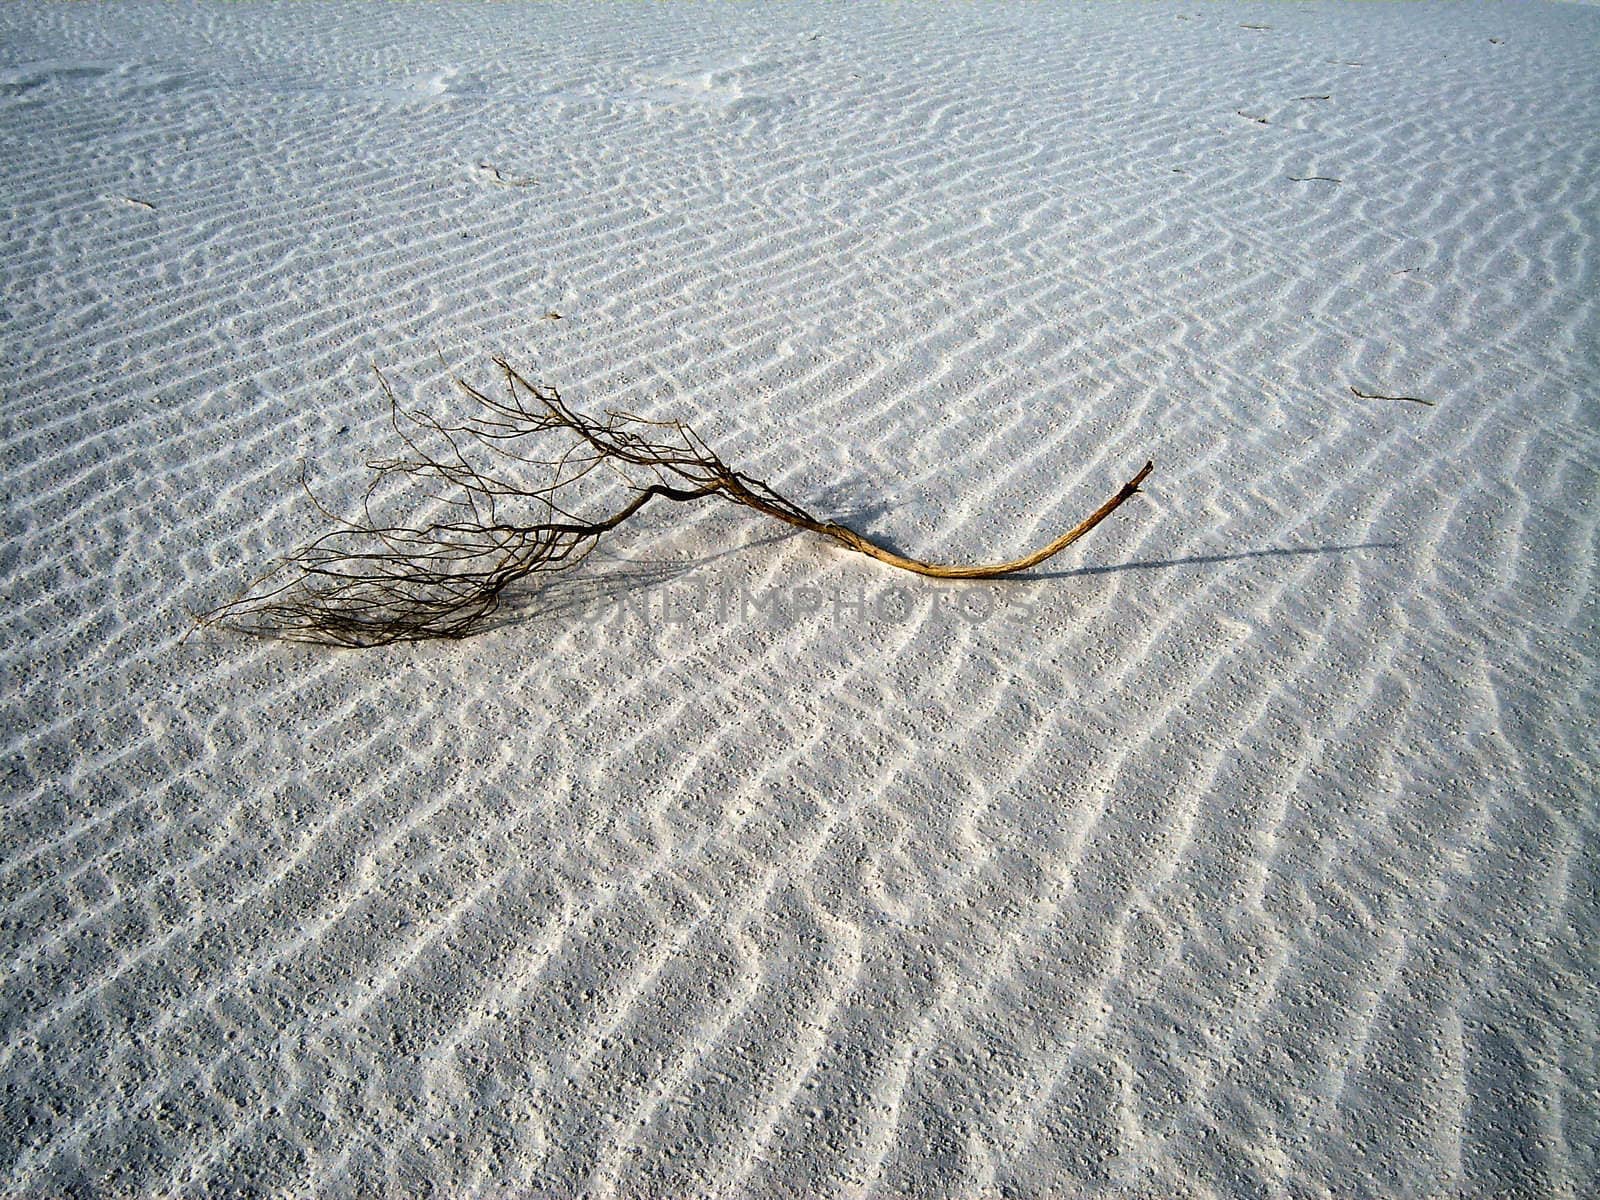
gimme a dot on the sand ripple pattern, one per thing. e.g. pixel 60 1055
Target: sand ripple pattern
pixel 1250 852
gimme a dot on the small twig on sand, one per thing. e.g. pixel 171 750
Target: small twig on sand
pixel 1314 179
pixel 1312 97
pixel 1378 396
pixel 504 180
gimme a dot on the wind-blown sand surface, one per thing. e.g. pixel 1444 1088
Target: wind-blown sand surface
pixel 1248 849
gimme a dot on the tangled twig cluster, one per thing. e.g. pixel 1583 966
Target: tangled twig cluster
pixel 372 582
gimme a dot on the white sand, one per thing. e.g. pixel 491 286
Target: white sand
pixel 1248 850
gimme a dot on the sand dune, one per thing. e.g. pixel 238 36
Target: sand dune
pixel 1246 850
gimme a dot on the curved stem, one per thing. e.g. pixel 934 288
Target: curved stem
pixel 854 540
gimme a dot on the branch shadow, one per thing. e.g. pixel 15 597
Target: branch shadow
pixel 606 584
pixel 610 581
pixel 1200 560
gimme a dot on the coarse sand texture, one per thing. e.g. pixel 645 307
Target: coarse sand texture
pixel 1246 848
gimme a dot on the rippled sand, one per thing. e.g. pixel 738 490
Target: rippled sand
pixel 1248 849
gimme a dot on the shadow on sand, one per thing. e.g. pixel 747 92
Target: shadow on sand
pixel 610 583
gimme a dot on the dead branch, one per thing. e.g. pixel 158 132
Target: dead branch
pixel 1380 396
pixel 376 581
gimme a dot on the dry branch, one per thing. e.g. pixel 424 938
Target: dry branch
pixel 1380 396
pixel 375 581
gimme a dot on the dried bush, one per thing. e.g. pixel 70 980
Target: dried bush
pixel 371 582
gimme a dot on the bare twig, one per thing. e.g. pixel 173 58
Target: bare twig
pixel 374 581
pixel 497 176
pixel 1377 396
